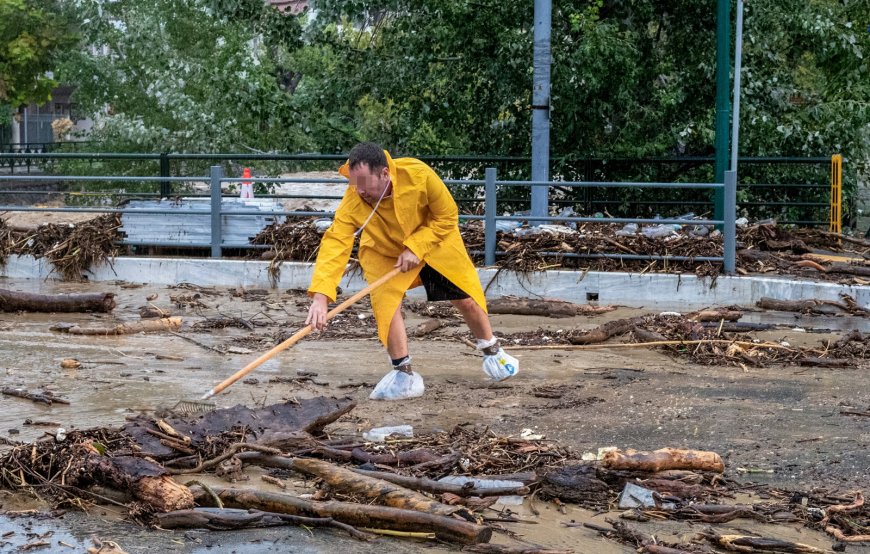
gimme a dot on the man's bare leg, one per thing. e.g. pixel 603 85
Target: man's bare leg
pixel 474 316
pixel 397 338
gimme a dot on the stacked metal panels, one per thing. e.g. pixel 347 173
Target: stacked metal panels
pixel 187 221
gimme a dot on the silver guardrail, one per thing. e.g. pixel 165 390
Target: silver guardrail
pixel 491 185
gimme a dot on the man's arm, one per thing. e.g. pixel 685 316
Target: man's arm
pixel 443 218
pixel 335 247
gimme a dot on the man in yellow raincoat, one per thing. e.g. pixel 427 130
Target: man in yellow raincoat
pixel 406 218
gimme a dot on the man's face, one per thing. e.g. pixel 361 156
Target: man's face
pixel 369 184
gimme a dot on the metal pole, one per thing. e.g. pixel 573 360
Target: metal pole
pixel 490 207
pixel 541 107
pixel 729 231
pixel 723 69
pixel 165 186
pixel 217 173
pixel 735 118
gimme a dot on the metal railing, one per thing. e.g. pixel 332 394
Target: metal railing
pixel 490 184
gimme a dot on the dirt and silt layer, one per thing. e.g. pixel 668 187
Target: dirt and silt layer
pixel 775 424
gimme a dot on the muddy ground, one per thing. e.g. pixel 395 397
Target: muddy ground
pixel 779 426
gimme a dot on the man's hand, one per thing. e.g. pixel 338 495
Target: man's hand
pixel 407 260
pixel 317 312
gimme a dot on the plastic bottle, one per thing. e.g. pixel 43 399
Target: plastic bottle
pixel 461 480
pixel 378 434
pixel 630 229
pixel 659 231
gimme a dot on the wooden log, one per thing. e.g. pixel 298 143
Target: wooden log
pixel 415 483
pixel 14 301
pixel 373 488
pixel 358 515
pixel 146 481
pixel 410 457
pixel 716 315
pixel 44 397
pixel 662 459
pixel 659 549
pixel 675 488
pixel 542 307
pixel 427 326
pixel 825 362
pixel 645 335
pixel 605 331
pixel 144 326
pixel 849 269
pixel 746 543
pixel 218 519
pixel 802 306
pixel 508 549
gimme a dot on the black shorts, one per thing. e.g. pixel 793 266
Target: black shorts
pixel 438 287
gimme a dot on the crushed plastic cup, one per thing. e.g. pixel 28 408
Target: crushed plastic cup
pixel 741 222
pixel 378 434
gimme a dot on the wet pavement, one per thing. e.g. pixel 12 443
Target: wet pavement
pixel 781 419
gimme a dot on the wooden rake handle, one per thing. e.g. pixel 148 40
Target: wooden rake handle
pixel 305 331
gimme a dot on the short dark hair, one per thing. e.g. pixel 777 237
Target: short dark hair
pixel 368 153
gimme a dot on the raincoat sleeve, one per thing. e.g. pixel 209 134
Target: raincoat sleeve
pixel 443 218
pixel 335 247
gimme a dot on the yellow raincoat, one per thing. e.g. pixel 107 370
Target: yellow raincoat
pixel 421 215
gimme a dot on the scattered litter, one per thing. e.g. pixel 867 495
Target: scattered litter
pixel 378 434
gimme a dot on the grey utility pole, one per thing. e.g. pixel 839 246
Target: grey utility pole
pixel 541 107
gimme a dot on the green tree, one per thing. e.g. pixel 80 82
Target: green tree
pixel 179 75
pixel 31 34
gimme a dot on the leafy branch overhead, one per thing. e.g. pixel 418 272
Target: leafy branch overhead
pixel 448 76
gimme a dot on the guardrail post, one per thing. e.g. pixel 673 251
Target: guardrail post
pixel 489 213
pixel 217 174
pixel 729 230
pixel 165 186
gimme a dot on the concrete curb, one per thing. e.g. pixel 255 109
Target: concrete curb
pixel 649 290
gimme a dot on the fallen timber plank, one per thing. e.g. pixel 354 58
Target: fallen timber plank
pixel 14 301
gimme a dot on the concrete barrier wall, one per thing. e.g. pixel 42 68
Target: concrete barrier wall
pixel 650 290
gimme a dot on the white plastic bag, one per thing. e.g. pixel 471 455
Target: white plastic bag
pixel 501 365
pixel 398 385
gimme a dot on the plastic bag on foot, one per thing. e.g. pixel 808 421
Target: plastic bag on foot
pixel 501 365
pixel 398 385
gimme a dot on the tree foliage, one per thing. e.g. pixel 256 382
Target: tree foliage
pixel 31 34
pixel 630 77
pixel 183 75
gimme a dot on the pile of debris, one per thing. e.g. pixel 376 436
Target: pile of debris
pixel 765 248
pixel 72 250
pixel 439 486
pixel 709 337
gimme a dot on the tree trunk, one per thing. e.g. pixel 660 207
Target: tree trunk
pixel 662 459
pixel 13 301
pixel 427 326
pixel 346 480
pixel 146 326
pixel 716 315
pixel 605 331
pixel 358 515
pixel 542 307
pixel 849 269
pixel 147 481
pixel 803 306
